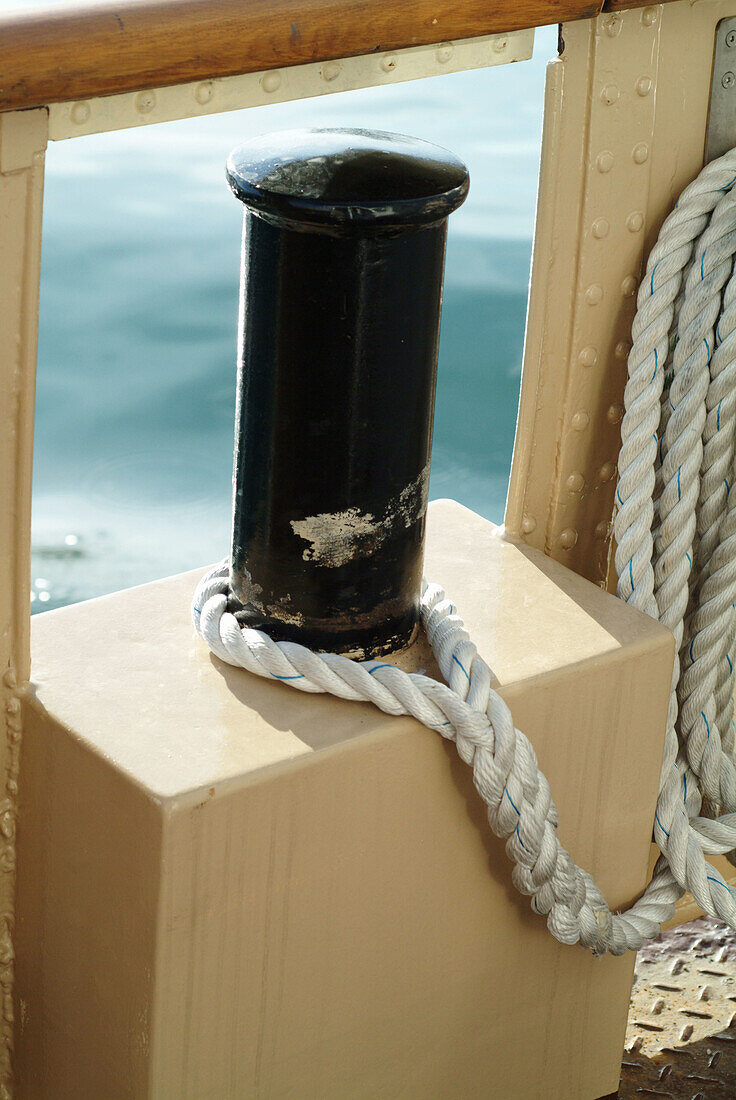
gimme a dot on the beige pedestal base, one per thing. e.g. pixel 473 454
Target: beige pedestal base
pixel 231 890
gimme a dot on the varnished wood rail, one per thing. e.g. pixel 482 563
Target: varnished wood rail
pixel 50 54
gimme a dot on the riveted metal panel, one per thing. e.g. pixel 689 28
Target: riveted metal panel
pixel 625 122
pixel 206 97
pixel 592 210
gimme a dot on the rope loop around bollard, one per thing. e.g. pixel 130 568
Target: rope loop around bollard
pixel 675 531
pixel 469 712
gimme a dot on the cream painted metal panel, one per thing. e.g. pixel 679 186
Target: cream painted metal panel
pixel 625 120
pixel 591 215
pixel 250 892
pixel 22 147
pixel 118 112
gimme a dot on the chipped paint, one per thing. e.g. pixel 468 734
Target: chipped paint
pixel 336 538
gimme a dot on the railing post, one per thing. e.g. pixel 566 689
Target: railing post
pixel 343 256
pixel 23 136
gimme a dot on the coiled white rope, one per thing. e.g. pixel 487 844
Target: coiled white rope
pixel 676 559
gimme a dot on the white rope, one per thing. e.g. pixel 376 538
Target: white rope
pixel 676 558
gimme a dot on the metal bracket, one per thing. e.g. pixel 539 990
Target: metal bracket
pixel 721 133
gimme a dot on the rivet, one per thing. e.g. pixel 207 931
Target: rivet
pixel 604 161
pixel 575 483
pixel 640 152
pixel 500 44
pixel 588 357
pixel 613 26
pixel 528 524
pixel 388 63
pixel 444 52
pixel 649 17
pixel 204 92
pixel 622 350
pixel 271 82
pixel 145 102
pixel 610 94
pixel 600 227
pixel 615 414
pixel 606 471
pixel 635 221
pixel 643 86
pixel 728 79
pixel 628 286
pixel 568 538
pixel 80 113
pixel 331 70
pixel 601 531
pixel 580 421
pixel 594 294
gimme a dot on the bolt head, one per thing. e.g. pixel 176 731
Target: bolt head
pixel 731 38
pixel 728 80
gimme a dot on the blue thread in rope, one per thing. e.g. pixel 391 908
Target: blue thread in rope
pixel 655 366
pixel 707 346
pixel 463 670
pixel 651 281
pixel 679 492
pixel 702 715
pixel 299 677
pixel 730 663
pixel 702 260
pixel 631 576
pixel 719 883
pixel 376 668
pixel 656 817
pixel 718 416
pixel 506 792
pixel 521 841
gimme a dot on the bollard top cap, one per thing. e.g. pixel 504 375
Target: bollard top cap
pixel 347 178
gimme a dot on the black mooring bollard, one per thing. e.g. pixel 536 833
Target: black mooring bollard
pixel 341 285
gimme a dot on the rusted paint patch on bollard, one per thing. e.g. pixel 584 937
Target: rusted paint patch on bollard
pixel 338 537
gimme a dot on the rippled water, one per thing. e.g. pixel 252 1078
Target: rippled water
pixel 139 289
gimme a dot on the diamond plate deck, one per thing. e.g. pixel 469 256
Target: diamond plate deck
pixel 681 1034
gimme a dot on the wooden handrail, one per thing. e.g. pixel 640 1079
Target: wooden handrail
pixel 99 47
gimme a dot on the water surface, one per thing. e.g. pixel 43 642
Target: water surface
pixel 136 373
